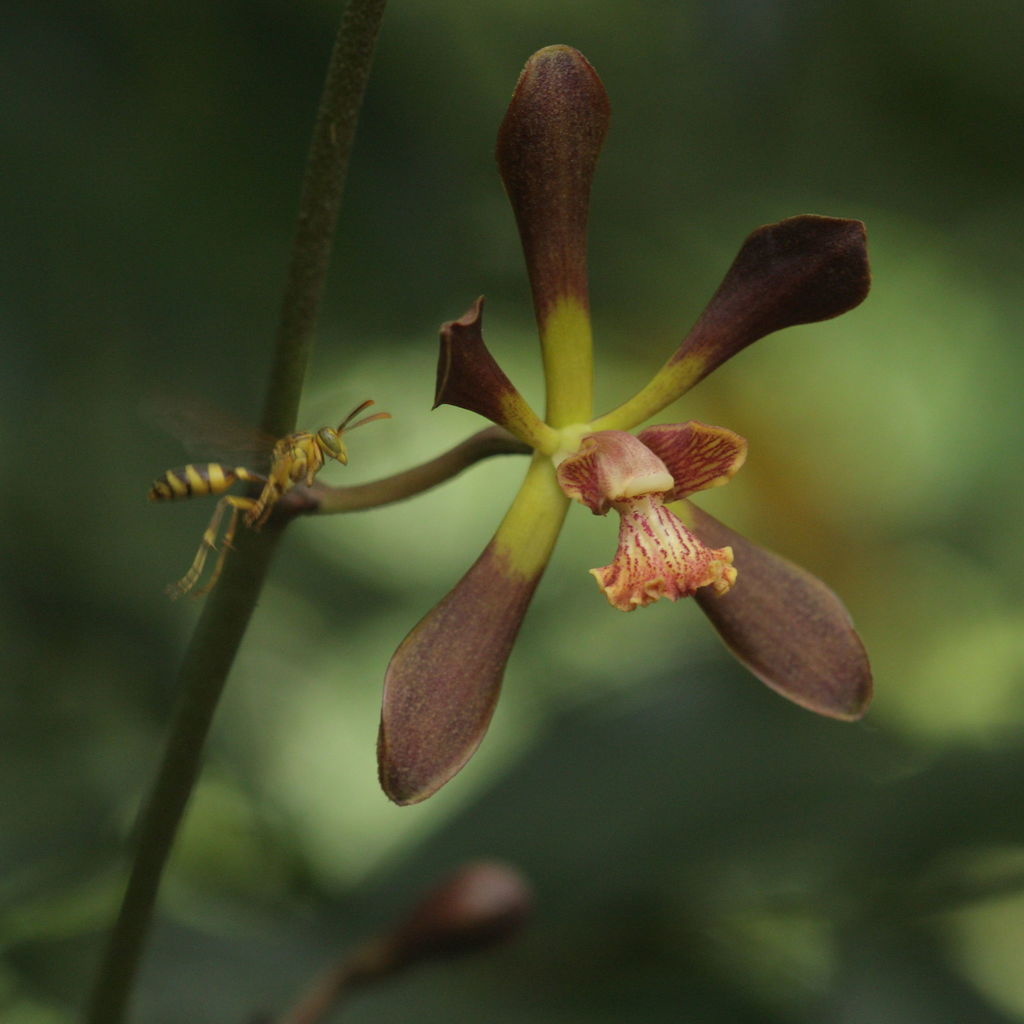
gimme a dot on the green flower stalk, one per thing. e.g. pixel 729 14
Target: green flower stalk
pixel 791 631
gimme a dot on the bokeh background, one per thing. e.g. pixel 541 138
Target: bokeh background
pixel 701 850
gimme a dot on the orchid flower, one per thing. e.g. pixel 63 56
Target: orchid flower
pixel 792 632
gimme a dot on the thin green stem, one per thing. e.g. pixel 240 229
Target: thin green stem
pixel 201 681
pixel 226 615
pixel 322 188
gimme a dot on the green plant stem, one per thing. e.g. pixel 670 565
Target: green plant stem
pixel 201 680
pixel 326 167
pixel 226 615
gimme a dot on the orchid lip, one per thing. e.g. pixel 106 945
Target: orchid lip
pixel 657 555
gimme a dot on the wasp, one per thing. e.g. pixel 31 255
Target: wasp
pixel 294 459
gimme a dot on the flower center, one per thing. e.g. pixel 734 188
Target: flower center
pixel 569 440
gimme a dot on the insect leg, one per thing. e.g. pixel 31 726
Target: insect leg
pixel 238 505
pixel 209 543
pixel 256 517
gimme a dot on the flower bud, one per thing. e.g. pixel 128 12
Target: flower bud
pixel 483 903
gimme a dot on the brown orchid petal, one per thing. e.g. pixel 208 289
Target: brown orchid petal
pixel 469 377
pixel 697 455
pixel 547 151
pixel 548 146
pixel 786 626
pixel 797 271
pixel 443 682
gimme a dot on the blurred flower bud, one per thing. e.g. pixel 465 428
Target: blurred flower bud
pixel 483 903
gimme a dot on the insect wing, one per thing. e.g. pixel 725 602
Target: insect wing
pixel 208 432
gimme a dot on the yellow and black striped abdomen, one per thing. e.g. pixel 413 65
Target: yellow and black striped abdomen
pixel 207 478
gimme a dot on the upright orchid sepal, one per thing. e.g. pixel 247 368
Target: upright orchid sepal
pixel 657 555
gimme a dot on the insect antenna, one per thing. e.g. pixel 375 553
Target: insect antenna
pixel 344 425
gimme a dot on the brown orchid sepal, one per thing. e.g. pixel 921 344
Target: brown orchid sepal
pixel 786 626
pixel 798 271
pixel 657 555
pixel 547 153
pixel 469 377
pixel 443 682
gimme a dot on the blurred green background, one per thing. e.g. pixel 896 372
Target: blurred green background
pixel 702 851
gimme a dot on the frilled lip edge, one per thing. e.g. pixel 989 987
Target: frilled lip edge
pixel 658 557
pixel 786 626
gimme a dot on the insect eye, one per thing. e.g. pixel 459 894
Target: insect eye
pixel 329 439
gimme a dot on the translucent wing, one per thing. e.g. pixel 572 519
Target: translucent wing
pixel 208 432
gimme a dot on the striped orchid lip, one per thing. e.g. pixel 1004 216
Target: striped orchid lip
pixel 657 556
pixel 443 682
